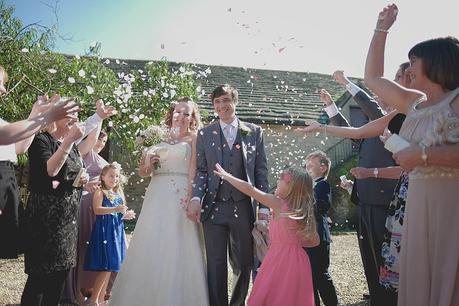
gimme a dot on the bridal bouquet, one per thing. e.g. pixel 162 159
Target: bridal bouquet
pixel 148 141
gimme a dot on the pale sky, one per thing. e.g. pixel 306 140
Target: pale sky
pixel 315 36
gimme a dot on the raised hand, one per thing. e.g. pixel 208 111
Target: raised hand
pixel 104 111
pixel 326 98
pixel 387 17
pixel 311 126
pixel 76 132
pixel 339 77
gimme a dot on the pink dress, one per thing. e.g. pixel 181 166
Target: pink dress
pixel 285 276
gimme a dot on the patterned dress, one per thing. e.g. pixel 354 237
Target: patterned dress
pixel 51 215
pixel 389 270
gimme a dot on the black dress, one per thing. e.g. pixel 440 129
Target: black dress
pixel 50 217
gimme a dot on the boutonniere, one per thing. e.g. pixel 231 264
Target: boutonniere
pixel 244 130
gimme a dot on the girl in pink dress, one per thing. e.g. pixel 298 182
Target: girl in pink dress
pixel 284 277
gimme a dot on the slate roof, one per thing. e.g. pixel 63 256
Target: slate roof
pixel 266 96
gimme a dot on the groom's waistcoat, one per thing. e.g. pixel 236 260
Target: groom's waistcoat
pixel 232 162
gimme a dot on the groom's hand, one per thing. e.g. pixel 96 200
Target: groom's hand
pixel 193 211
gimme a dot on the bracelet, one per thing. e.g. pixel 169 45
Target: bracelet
pixel 381 30
pixel 66 152
pixel 423 153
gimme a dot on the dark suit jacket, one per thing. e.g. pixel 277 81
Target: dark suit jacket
pixel 372 154
pixel 322 197
pixel 209 152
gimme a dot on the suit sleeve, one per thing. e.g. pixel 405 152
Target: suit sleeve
pixel 368 105
pixel 322 195
pixel 261 164
pixel 200 178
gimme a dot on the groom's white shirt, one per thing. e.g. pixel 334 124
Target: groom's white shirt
pixel 223 125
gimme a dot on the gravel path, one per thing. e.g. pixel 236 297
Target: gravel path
pixel 346 270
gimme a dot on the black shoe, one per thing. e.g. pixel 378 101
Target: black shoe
pixel 366 296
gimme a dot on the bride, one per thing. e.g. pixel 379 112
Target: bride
pixel 164 264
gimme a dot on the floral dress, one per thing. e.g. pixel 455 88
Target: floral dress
pixel 389 270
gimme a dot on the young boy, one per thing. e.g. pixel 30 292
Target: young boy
pixel 318 166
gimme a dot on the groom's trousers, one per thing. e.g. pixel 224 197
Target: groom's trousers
pixel 229 230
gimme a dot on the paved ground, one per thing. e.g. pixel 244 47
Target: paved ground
pixel 346 269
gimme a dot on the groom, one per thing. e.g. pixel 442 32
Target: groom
pixel 227 214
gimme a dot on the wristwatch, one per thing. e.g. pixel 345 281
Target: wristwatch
pixel 375 172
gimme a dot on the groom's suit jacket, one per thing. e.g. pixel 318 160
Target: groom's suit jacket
pixel 209 152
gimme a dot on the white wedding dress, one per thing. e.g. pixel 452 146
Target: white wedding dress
pixel 164 264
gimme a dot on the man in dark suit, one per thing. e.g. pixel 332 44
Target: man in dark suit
pixel 227 214
pixel 373 194
pixel 318 167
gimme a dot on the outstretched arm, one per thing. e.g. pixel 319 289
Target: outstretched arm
pixel 371 129
pixel 264 198
pixel 43 113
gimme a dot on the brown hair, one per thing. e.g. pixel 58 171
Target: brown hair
pixel 118 188
pixel 440 60
pixel 5 74
pixel 102 134
pixel 324 160
pixel 300 198
pixel 224 89
pixel 195 120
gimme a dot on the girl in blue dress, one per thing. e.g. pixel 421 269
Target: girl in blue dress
pixel 106 249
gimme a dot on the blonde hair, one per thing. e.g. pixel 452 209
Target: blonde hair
pixel 300 199
pixel 323 159
pixel 118 188
pixel 195 119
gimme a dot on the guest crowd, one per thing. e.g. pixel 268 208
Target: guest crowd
pixel 209 187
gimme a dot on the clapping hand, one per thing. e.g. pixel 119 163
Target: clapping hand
pixel 104 111
pixel 311 126
pixel 76 132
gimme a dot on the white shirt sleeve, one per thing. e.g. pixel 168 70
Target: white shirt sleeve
pixel 352 88
pixel 331 110
pixel 90 124
pixel 196 198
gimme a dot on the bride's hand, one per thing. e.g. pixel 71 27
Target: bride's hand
pixel 220 171
pixel 311 126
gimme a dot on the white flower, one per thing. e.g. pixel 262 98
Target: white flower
pixel 136 119
pixel 173 93
pixel 165 95
pixel 77 57
pixel 208 71
pixel 71 80
pixel 81 73
pixel 107 61
pixel 181 69
pixel 25 50
pixel 90 90
pixel 52 70
pixel 93 44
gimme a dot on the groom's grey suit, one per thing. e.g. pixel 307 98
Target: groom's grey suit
pixel 227 214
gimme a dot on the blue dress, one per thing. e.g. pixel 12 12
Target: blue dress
pixel 106 249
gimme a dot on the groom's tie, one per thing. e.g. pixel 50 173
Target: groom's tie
pixel 228 133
